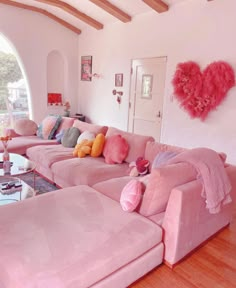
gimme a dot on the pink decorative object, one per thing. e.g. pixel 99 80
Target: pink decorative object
pixel 131 195
pixel 218 79
pixel 199 93
pixel 115 150
pixel 187 81
pixel 139 167
pixel 25 127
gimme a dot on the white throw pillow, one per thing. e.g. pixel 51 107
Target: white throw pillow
pixel 86 135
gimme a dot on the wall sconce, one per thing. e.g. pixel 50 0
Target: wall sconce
pixel 95 75
pixel 118 98
pixel 114 92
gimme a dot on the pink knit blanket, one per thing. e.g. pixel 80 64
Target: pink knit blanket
pixel 211 171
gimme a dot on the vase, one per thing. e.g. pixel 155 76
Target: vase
pixel 66 113
pixel 5 155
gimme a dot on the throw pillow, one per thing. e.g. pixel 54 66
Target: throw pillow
pixel 161 182
pixel 69 139
pixel 162 158
pixel 136 142
pixel 59 136
pixel 25 127
pixel 115 150
pixel 98 145
pixel 49 126
pixel 86 135
pixel 131 195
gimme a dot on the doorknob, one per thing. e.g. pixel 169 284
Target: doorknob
pixel 158 114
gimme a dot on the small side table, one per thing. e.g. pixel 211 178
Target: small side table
pixel 80 117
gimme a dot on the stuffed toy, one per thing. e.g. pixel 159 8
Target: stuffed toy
pixel 83 149
pixel 139 167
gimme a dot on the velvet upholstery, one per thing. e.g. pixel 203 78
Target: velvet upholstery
pixel 96 129
pixel 20 144
pixel 137 143
pixel 99 239
pixel 46 155
pixel 25 127
pixel 88 170
pixel 161 182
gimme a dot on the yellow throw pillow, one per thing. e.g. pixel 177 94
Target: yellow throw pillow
pixel 98 145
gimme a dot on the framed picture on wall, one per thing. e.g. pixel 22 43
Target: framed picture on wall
pixel 119 80
pixel 86 68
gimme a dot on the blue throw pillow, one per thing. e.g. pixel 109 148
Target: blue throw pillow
pixel 49 126
pixel 162 158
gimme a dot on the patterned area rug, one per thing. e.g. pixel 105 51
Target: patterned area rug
pixel 41 185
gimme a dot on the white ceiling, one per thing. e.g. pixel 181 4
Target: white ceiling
pixel 131 7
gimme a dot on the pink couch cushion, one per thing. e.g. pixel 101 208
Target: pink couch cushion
pixel 66 122
pixel 10 132
pixel 131 195
pixel 72 237
pixel 115 150
pixel 153 148
pixel 88 170
pixel 20 144
pixel 25 127
pixel 161 182
pixel 112 188
pixel 96 129
pixel 46 155
pixel 137 143
pixel 47 129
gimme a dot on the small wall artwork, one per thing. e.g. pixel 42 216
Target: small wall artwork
pixel 119 80
pixel 86 68
pixel 54 99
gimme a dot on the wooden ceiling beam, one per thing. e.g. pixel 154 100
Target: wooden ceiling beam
pixel 73 11
pixel 113 10
pixel 157 5
pixel 41 11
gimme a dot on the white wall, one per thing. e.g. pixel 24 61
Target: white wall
pixel 34 36
pixel 201 31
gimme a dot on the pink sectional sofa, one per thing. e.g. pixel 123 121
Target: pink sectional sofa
pixel 19 144
pixel 81 233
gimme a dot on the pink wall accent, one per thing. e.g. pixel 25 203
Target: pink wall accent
pixel 34 36
pixel 200 31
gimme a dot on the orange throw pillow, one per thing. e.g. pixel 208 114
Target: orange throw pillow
pixel 98 145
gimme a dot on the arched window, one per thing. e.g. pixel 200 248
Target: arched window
pixel 14 97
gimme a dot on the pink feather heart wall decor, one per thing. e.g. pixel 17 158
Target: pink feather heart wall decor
pixel 199 93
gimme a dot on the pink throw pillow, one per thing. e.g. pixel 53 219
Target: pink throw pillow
pixel 25 127
pixel 136 142
pixel 49 126
pixel 161 182
pixel 115 150
pixel 66 123
pixel 131 195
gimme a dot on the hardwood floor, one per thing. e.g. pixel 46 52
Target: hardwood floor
pixel 211 266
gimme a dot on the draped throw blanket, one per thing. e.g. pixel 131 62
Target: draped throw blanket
pixel 211 171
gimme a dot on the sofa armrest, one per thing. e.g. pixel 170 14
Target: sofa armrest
pixel 11 132
pixel 187 222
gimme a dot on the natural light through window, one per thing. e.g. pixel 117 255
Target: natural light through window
pixel 13 92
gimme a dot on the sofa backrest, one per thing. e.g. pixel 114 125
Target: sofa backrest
pixel 84 126
pixel 66 123
pixel 153 148
pixel 137 143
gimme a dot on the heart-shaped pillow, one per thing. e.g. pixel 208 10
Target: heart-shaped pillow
pixel 199 93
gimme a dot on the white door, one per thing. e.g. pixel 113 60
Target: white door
pixel 146 98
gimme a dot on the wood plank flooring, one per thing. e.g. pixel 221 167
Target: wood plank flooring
pixel 211 266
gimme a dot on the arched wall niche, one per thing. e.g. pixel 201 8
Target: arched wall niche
pixel 55 78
